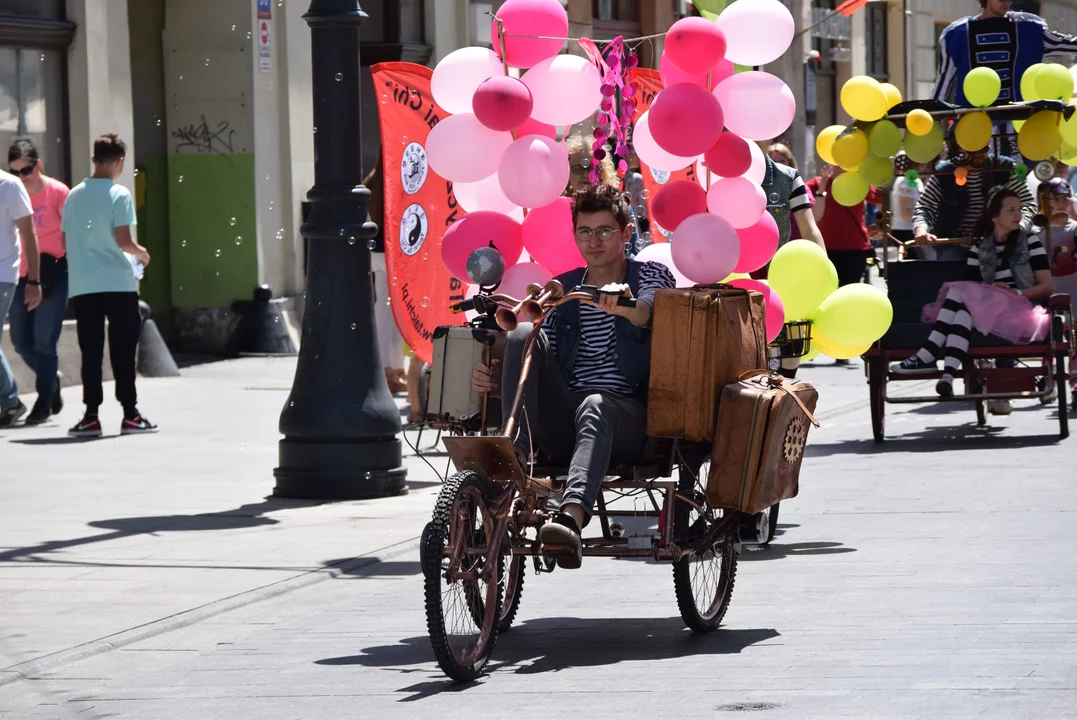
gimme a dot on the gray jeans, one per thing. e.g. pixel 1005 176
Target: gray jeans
pixel 605 429
pixel 9 390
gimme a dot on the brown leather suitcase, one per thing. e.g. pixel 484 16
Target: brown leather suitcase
pixel 759 441
pixel 703 338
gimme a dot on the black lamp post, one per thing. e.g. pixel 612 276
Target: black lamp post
pixel 340 424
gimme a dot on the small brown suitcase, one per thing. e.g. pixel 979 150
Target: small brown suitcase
pixel 703 339
pixel 759 441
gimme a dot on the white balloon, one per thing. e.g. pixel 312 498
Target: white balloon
pixel 566 89
pixel 461 149
pixel 663 253
pixel 486 194
pixel 459 74
pixel 757 31
pixel 649 151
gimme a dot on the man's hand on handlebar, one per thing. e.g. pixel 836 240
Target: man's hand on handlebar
pixel 922 237
pixel 608 295
pixel 487 379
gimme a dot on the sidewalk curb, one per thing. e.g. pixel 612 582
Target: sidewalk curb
pixel 32 668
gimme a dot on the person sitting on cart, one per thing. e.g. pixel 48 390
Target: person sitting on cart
pixel 585 401
pixel 1008 270
pixel 1061 247
pixel 948 210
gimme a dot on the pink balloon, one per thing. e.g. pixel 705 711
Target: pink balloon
pixel 677 201
pixel 502 103
pixel 662 253
pixel 738 200
pixel 706 248
pixel 547 18
pixel 758 244
pixel 686 120
pixel 547 234
pixel 462 149
pixel 532 126
pixel 476 230
pixel 567 89
pixel 757 171
pixel 758 105
pixel 671 74
pixel 519 276
pixel 534 171
pixel 695 44
pixel 730 156
pixel 775 308
pixel 486 195
pixel 458 75
pixel 758 32
pixel 650 152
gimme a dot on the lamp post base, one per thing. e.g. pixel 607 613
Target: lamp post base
pixel 347 470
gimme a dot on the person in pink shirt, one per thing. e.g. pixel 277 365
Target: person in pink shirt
pixel 36 333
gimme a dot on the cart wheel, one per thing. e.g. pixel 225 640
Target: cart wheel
pixel 703 582
pixel 877 393
pixel 1063 405
pixel 462 606
pixel 512 593
pixel 772 519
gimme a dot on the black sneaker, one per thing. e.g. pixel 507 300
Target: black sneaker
pixel 39 414
pixel 563 531
pixel 10 416
pixel 913 365
pixel 945 386
pixel 57 398
pixel 137 426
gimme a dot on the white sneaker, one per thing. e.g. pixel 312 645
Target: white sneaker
pixel 999 407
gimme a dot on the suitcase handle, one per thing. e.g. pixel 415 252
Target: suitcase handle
pixel 777 382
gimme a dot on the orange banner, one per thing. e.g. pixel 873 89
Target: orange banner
pixel 419 206
pixel 648 84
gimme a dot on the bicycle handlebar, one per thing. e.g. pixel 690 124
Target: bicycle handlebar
pixel 484 304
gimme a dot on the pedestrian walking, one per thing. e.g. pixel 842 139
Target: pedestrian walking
pixel 97 226
pixel 36 333
pixel 16 230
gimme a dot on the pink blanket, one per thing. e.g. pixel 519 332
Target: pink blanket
pixel 995 311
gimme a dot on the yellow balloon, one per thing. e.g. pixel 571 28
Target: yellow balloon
pixel 850 148
pixel 1054 82
pixel 734 276
pixel 863 98
pixel 919 122
pixel 836 350
pixel 974 131
pixel 893 95
pixel 824 143
pixel 1040 136
pixel 1018 124
pixel 850 188
pixel 982 86
pixel 1028 82
pixel 854 315
pixel 813 352
pixel 1068 128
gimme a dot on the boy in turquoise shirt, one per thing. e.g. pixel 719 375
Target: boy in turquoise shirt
pixel 96 227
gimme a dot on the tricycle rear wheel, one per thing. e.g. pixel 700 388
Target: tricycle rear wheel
pixel 876 397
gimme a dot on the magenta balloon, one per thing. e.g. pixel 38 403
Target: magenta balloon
pixel 758 244
pixel 534 171
pixel 662 253
pixel 462 149
pixel 502 103
pixel 459 73
pixel 476 230
pixel 738 200
pixel 532 126
pixel 730 156
pixel 706 248
pixel 695 45
pixel 757 105
pixel 547 234
pixel 775 308
pixel 686 120
pixel 518 277
pixel 649 151
pixel 546 18
pixel 677 201
pixel 671 74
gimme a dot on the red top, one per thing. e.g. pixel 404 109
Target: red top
pixel 843 227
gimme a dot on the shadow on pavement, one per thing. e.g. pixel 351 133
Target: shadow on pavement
pixel 932 440
pixel 779 551
pixel 553 644
pixel 64 440
pixel 382 569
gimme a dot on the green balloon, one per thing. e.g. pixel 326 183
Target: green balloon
pixel 884 139
pixel 878 171
pixel 803 276
pixel 924 148
pixel 911 177
pixel 854 315
pixel 849 188
pixel 712 7
pixel 982 87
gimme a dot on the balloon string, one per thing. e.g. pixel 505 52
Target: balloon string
pixel 504 34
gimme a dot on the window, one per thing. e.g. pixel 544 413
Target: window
pixel 31 104
pixel 878 67
pixel 627 11
pixel 40 9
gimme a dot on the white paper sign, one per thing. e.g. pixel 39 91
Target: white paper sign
pixel 265 44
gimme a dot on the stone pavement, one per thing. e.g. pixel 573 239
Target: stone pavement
pixel 930 577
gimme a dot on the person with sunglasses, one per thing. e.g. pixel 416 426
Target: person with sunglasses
pixel 589 366
pixel 35 333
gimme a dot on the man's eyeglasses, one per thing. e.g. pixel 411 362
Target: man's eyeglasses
pixel 586 234
pixel 26 171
